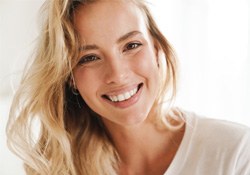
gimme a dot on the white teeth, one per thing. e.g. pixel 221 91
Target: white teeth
pixel 115 98
pixel 121 97
pixel 135 90
pixel 131 93
pixel 127 95
pixel 124 96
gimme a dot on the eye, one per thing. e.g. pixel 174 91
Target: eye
pixel 131 46
pixel 87 59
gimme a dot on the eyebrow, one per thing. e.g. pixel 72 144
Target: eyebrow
pixel 88 47
pixel 128 35
pixel 122 38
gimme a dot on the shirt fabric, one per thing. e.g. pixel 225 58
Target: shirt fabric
pixel 212 147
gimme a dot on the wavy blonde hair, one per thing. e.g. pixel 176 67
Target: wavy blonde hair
pixel 70 138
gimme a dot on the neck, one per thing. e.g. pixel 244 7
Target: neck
pixel 143 147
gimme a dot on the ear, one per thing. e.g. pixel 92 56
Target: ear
pixel 157 52
pixel 71 82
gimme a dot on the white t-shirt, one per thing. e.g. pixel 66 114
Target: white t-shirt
pixel 212 147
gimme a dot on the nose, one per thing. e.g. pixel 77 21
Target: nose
pixel 116 70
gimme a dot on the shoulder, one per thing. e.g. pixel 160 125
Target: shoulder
pixel 206 127
pixel 214 128
pixel 212 146
pixel 225 141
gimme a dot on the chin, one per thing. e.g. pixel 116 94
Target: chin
pixel 134 120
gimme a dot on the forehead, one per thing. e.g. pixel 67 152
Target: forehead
pixel 108 19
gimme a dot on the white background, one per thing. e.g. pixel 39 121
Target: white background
pixel 211 38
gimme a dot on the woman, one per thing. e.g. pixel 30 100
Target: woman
pixel 97 86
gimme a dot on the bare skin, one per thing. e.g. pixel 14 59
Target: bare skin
pixel 146 150
pixel 120 52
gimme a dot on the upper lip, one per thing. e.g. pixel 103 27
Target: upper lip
pixel 120 90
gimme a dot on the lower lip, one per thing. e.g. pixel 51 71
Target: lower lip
pixel 127 103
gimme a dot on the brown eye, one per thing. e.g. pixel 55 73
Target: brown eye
pixel 132 46
pixel 88 59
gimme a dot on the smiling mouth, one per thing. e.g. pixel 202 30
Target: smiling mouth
pixel 123 96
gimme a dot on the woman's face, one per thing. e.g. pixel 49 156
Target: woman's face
pixel 117 74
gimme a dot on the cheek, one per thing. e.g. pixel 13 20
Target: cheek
pixel 146 62
pixel 86 81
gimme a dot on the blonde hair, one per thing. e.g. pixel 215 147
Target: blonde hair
pixel 71 138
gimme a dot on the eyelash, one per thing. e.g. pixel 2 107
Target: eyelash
pixel 87 59
pixel 134 46
pixel 90 58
